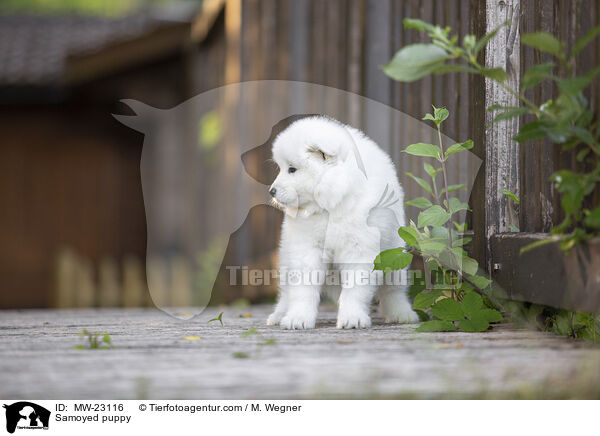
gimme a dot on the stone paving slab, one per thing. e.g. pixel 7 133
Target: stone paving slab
pixel 151 359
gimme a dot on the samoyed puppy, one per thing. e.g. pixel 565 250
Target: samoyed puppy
pixel 343 205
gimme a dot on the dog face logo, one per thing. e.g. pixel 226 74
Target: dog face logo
pixel 26 415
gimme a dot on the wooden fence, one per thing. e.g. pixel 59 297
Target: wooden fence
pixel 343 44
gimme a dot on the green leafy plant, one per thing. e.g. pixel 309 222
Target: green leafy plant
pixel 218 318
pixel 458 299
pixel 578 325
pixel 514 198
pixel 567 120
pixel 95 341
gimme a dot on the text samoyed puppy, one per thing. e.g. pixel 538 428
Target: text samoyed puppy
pixel 343 205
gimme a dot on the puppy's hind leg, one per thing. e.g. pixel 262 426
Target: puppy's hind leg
pixel 394 304
pixel 280 309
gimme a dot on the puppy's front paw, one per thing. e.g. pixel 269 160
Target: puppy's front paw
pixel 353 319
pixel 298 321
pixel 274 318
pixel 406 316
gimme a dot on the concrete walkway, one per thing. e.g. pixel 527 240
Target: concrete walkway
pixel 156 356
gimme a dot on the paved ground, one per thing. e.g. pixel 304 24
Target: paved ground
pixel 151 359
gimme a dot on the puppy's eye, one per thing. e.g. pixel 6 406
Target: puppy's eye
pixel 292 170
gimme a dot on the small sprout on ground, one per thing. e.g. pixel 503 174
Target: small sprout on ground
pixel 240 355
pixel 192 338
pixel 218 318
pixel 250 331
pixel 269 341
pixel 96 341
pixel 245 315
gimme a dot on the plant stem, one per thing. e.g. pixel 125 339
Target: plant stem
pixel 443 162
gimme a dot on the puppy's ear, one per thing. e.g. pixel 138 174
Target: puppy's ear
pixel 330 153
pixel 319 153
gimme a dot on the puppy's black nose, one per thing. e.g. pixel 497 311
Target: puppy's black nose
pixel 273 191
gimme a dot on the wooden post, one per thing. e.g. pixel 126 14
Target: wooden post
pixel 501 151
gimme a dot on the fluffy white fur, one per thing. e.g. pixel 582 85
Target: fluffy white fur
pixel 343 206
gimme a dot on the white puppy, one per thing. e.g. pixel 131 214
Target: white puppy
pixel 343 205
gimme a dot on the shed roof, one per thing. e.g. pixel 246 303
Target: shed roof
pixel 34 48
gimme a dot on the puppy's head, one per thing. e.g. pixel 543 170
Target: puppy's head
pixel 312 155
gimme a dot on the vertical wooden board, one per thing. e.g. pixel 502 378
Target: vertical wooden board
pixel 396 98
pixel 298 29
pixel 477 26
pixel 378 51
pixel 536 157
pixel 354 79
pixel 502 152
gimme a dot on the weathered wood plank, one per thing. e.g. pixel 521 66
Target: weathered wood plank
pixel 546 275
pixel 502 153
pixel 151 359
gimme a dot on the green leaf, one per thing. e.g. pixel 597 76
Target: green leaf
pixel 490 315
pixel 479 281
pixel 468 264
pixel 593 219
pixel 409 235
pixel 436 325
pixel 542 41
pixel 79 347
pixel 240 355
pixel 467 145
pixel 425 299
pixel 512 195
pixel 440 114
pixel 448 310
pixel 434 216
pixel 536 74
pixel 456 205
pixel 415 61
pixel 484 40
pixel 423 149
pixel 454 68
pixel 585 40
pixel 431 170
pixel 106 338
pixel 392 260
pixel 452 188
pixel 583 134
pixel 460 227
pixel 422 183
pixel 474 325
pixel 421 26
pixel 530 131
pixel 574 85
pixel 540 243
pixel 461 241
pixel 497 74
pixel 420 202
pixel 511 113
pixel 472 303
pixel 218 318
pixel 431 247
pixel 499 107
